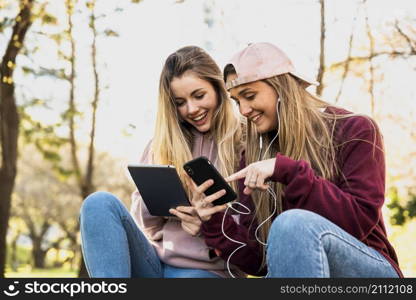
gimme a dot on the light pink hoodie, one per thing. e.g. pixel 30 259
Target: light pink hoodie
pixel 175 246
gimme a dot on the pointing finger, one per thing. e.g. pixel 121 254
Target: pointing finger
pixel 240 174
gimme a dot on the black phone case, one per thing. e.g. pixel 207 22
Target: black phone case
pixel 200 170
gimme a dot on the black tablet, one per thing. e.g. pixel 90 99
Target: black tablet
pixel 160 187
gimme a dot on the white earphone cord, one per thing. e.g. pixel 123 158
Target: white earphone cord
pixel 269 190
pixel 242 244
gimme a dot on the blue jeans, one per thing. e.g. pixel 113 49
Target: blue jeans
pixel 304 244
pixel 113 245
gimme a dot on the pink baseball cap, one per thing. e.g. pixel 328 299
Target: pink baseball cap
pixel 260 61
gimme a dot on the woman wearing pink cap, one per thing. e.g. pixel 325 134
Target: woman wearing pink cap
pixel 312 180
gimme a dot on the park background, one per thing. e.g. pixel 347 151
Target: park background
pixel 78 95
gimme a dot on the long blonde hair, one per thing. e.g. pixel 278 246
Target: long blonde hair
pixel 173 139
pixel 306 132
pixel 303 134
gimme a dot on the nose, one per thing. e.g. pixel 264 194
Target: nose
pixel 245 109
pixel 192 108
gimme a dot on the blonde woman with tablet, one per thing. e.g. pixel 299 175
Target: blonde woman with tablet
pixel 194 118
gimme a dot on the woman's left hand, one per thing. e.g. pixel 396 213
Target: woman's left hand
pixel 255 175
pixel 189 217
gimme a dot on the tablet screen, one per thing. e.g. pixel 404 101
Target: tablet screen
pixel 160 187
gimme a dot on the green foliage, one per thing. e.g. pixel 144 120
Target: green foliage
pixel 411 205
pixel 49 19
pixel 48 154
pixel 55 73
pixel 111 33
pixel 5 23
pixel 70 114
pixel 44 137
pixel 23 255
pixel 401 213
pixel 63 173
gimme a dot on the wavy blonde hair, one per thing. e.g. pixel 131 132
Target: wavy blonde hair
pixel 306 132
pixel 173 139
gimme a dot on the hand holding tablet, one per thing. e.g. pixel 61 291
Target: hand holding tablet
pixel 162 189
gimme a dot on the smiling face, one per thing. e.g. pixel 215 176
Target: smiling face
pixel 195 99
pixel 256 101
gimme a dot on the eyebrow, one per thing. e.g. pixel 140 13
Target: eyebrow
pixel 241 92
pixel 244 91
pixel 192 94
pixel 196 91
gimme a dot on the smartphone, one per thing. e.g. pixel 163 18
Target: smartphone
pixel 200 170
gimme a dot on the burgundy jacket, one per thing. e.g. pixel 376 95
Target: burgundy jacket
pixel 354 205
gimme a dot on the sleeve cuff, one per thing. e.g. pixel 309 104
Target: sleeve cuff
pixel 213 224
pixel 283 169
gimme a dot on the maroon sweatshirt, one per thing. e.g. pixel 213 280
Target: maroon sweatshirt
pixel 354 205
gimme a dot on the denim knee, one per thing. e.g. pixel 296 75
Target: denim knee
pixel 99 202
pixel 293 223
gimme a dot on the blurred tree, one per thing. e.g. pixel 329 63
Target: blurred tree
pixel 321 69
pixel 17 229
pixel 37 203
pixel 14 262
pixel 397 41
pixel 46 205
pixel 370 60
pixel 9 120
pixel 403 205
pixel 348 60
pixel 84 177
pixel 43 136
pixel 403 209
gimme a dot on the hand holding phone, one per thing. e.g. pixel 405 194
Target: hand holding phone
pixel 200 170
pixel 203 204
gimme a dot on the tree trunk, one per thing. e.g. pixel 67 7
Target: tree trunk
pixel 348 60
pixel 7 184
pixel 321 70
pixel 38 254
pixel 370 61
pixel 9 123
pixel 87 186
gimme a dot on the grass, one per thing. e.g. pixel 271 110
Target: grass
pixel 401 237
pixel 403 241
pixel 28 272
